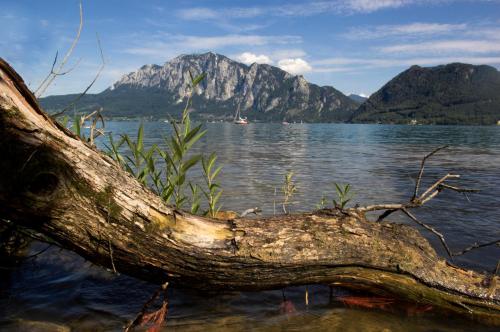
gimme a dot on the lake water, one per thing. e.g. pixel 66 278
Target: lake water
pixel 379 161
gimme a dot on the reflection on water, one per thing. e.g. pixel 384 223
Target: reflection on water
pixel 379 161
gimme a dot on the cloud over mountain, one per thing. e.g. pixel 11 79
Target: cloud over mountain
pixel 295 66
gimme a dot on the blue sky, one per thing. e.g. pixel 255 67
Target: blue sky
pixel 354 45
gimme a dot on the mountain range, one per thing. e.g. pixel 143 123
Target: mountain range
pixel 455 93
pixel 448 94
pixel 263 92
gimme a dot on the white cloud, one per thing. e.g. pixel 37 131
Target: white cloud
pixel 354 64
pixel 171 44
pixel 445 46
pixel 367 6
pixel 287 53
pixel 202 13
pixel 231 40
pixel 306 8
pixel 485 32
pixel 406 30
pixel 249 58
pixel 294 66
pixel 197 14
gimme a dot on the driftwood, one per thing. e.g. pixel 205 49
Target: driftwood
pixel 62 187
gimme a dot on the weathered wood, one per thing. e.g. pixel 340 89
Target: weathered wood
pixel 54 183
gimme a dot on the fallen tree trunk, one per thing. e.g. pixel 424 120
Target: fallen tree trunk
pixel 56 184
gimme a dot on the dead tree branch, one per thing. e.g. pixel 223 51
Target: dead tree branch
pixel 418 200
pixel 53 74
pixel 98 74
pixel 429 228
pixel 476 246
pixel 421 171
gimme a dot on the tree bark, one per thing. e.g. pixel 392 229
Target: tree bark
pixel 55 183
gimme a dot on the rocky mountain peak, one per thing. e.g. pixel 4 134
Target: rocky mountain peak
pixel 261 91
pixel 258 87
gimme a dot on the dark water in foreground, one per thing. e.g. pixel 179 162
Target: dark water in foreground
pixel 378 161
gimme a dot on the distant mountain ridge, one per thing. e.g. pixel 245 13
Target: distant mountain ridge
pixel 357 98
pixel 264 92
pixel 455 93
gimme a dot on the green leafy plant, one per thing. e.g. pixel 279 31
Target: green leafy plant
pixel 213 192
pixel 344 196
pixel 141 162
pixel 195 198
pixel 76 126
pixel 170 181
pixel 322 203
pixel 113 149
pixel 177 160
pixel 288 190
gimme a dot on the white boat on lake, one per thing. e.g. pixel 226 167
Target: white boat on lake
pixel 238 119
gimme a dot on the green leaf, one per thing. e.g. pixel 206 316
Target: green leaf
pixel 190 163
pixel 167 194
pixel 129 169
pixel 130 160
pixel 140 137
pixel 198 79
pixel 76 125
pixel 192 133
pixel 216 172
pixel 216 198
pixel 178 153
pixel 195 139
pixel 181 201
pixel 337 188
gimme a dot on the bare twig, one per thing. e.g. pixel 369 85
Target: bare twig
pixel 417 200
pixel 111 256
pixel 476 246
pixel 59 73
pixel 439 235
pixel 29 159
pixel 53 74
pixel 378 207
pixel 429 197
pixel 94 131
pixel 421 171
pixel 255 210
pixel 457 189
pixel 49 75
pixel 386 214
pixel 38 253
pixel 436 184
pixel 99 71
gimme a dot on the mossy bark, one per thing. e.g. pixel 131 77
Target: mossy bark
pixel 54 183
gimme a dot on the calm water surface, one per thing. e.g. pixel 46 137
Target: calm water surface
pixel 379 161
